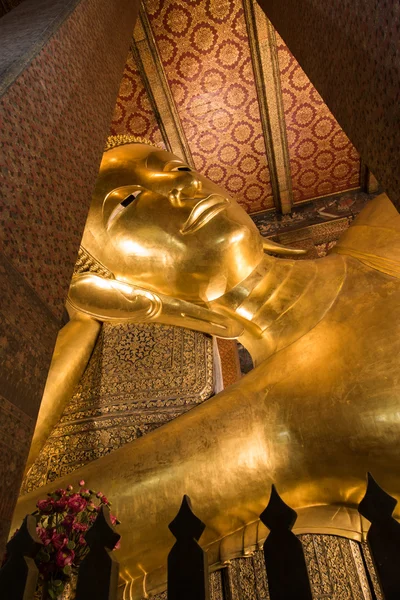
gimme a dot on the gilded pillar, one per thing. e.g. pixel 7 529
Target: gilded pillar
pixel 336 568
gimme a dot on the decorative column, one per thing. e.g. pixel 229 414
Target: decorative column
pixel 264 56
pixel 61 63
pixel 335 566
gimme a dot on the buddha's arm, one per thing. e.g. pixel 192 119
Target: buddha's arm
pixel 207 453
pixel 298 420
pixel 113 300
pixel 313 418
pixel 93 299
pixel 73 348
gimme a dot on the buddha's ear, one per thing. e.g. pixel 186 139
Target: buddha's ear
pixel 113 300
pixel 271 247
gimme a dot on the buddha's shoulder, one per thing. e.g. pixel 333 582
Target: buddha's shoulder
pixel 374 237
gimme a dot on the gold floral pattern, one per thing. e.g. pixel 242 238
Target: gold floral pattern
pixel 139 377
pixel 323 161
pixel 335 567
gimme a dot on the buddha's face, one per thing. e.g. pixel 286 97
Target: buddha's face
pixel 157 223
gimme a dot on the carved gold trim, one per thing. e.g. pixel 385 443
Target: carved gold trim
pixel 149 63
pixel 120 140
pixel 267 79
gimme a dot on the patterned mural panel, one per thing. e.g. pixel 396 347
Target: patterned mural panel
pixel 205 52
pixel 138 378
pixel 133 112
pixel 53 120
pixel 335 569
pixel 16 429
pixel 322 159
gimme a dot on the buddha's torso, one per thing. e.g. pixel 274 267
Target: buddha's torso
pixel 319 411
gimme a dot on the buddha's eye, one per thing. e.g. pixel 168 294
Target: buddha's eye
pixel 183 168
pixel 122 205
pixel 129 199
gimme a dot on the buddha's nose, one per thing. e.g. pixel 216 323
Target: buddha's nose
pixel 187 188
pixel 192 189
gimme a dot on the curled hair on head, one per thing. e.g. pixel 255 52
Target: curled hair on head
pixel 120 140
pixel 87 263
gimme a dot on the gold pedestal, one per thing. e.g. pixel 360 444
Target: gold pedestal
pixel 338 568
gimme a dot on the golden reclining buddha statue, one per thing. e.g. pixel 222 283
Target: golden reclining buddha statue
pixel 321 407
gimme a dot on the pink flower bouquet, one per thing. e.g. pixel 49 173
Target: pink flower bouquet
pixel 62 520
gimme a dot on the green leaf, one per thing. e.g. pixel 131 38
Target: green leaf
pixel 57 582
pixel 71 545
pixel 67 570
pixel 45 557
pixel 52 593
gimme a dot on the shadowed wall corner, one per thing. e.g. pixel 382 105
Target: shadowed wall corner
pixel 58 88
pixel 350 50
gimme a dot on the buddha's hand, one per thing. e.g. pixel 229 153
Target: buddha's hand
pixel 113 300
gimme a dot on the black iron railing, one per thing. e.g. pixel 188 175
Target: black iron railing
pixel 188 577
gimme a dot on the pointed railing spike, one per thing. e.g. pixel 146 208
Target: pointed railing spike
pixel 98 573
pixel 102 532
pixel 285 563
pixel 19 575
pixel 278 514
pixel 383 537
pixel 376 504
pixel 186 523
pixel 187 561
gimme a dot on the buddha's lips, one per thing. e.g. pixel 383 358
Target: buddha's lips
pixel 203 212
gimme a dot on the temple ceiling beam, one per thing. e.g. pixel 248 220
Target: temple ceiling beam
pixel 148 60
pixel 264 57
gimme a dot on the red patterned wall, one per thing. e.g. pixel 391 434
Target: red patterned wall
pixel 229 355
pixel 322 159
pixel 204 49
pixel 53 121
pixel 133 112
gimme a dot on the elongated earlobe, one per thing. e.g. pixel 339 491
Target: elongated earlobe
pixel 271 247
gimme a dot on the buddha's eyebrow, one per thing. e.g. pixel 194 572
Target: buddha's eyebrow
pixel 162 161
